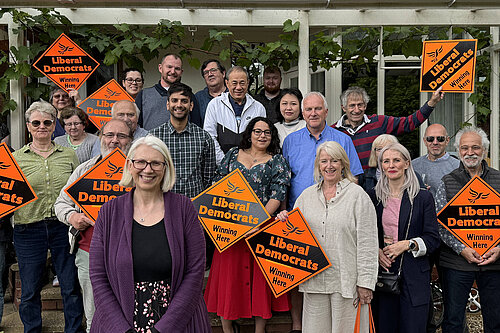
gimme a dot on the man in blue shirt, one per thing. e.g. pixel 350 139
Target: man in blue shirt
pixel 299 148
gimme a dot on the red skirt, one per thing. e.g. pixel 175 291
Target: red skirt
pixel 237 288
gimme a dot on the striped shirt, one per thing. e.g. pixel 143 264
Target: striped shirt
pixel 193 153
pixel 374 125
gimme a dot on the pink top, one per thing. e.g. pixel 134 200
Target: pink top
pixel 390 218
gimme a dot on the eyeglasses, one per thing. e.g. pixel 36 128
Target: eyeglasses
pixel 76 124
pixel 36 123
pixel 130 80
pixel 59 96
pixel 259 132
pixel 120 136
pixel 431 138
pixel 210 71
pixel 142 164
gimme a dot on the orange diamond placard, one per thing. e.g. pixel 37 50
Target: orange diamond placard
pixel 473 216
pixel 99 185
pixel 66 64
pixel 98 105
pixel 450 64
pixel 288 253
pixel 229 209
pixel 15 191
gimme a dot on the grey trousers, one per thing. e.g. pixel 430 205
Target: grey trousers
pixel 82 263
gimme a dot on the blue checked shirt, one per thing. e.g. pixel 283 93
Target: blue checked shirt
pixel 193 153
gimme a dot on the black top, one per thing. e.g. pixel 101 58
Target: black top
pixel 151 253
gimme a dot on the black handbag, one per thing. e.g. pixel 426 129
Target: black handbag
pixel 390 282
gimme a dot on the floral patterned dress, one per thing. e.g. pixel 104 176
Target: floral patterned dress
pixel 236 287
pixel 152 274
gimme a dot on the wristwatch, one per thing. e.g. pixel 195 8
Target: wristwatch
pixel 412 246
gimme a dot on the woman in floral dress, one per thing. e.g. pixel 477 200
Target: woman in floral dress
pixel 236 287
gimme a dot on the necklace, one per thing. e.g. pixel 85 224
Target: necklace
pixel 255 159
pixel 42 150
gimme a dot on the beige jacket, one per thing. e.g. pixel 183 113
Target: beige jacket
pixel 346 228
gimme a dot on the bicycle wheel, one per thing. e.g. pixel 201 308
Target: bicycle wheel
pixel 437 305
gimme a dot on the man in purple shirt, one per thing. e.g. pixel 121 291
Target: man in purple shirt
pixel 299 148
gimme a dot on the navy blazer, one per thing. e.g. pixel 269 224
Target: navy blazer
pixel 415 271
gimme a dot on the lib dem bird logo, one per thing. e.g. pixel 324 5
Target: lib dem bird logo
pixel 110 93
pixel 434 54
pixel 113 170
pixel 232 189
pixel 64 48
pixel 477 195
pixel 4 166
pixel 291 229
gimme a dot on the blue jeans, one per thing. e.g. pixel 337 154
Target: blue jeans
pixel 456 287
pixel 31 242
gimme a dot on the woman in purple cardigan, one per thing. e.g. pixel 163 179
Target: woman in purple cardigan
pixel 147 255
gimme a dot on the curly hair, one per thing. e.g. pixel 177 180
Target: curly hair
pixel 246 141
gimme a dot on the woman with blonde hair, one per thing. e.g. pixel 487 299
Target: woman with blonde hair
pixel 135 289
pixel 343 219
pixel 407 234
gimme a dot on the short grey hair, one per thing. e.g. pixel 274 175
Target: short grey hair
pixel 485 142
pixel 114 107
pixel 236 69
pixel 42 107
pixel 358 91
pixel 315 93
pixel 168 180
pixel 411 184
pixel 334 150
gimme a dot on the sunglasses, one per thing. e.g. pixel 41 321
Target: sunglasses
pixel 431 138
pixel 36 123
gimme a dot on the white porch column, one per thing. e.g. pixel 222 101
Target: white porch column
pixel 334 86
pixel 17 127
pixel 303 64
pixel 494 100
pixel 381 75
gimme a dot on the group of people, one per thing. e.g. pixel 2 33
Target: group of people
pixel 140 266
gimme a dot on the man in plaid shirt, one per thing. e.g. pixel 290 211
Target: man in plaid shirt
pixel 192 148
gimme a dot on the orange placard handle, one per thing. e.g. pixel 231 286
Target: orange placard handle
pixel 358 319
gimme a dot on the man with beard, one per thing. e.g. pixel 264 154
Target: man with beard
pixel 270 95
pixel 151 101
pixel 460 264
pixel 128 112
pixel 192 149
pixel 115 133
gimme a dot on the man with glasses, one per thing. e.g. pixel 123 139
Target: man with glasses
pixel 437 162
pixel 213 73
pixel 152 101
pixel 115 133
pixel 364 129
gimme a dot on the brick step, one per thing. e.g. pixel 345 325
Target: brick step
pixel 281 322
